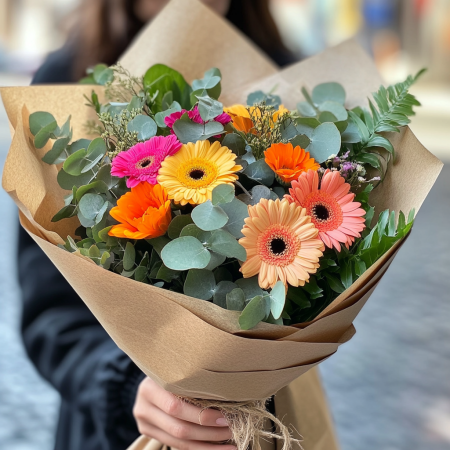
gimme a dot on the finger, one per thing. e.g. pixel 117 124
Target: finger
pixel 184 430
pixel 160 435
pixel 175 407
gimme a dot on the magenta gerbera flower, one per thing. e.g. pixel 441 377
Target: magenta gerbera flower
pixel 143 161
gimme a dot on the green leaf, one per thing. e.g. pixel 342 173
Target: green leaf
pixel 64 213
pixel 195 231
pixel 103 74
pixel 159 117
pixel 250 286
pixel 346 274
pixel 54 155
pixel 44 134
pixel 90 205
pixel 158 243
pixel 328 92
pixel 166 274
pixel 200 284
pixel 235 143
pixel 261 172
pixel 325 142
pixel 185 253
pixel 235 300
pixel 67 181
pixel 253 313
pixel 39 120
pixel 277 299
pixel 177 224
pixel 209 108
pixel 361 126
pixel 391 224
pixel 141 273
pixel 209 217
pixel 211 79
pixel 226 244
pixel 215 261
pixel 74 164
pixel 145 127
pixel 306 109
pixel 335 108
pixel 237 212
pixel 221 291
pixel 99 187
pixel 224 193
pixel 334 283
pixel 129 257
pixel 360 267
pixel 380 141
pixel 189 131
pixel 104 175
pixel 300 140
pixel 351 134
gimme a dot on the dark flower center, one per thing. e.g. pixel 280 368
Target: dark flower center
pixel 321 212
pixel 197 174
pixel 278 246
pixel 145 162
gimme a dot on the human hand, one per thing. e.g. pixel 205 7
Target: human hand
pixel 162 416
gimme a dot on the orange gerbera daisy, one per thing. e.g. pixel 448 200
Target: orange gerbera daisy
pixel 281 244
pixel 289 162
pixel 337 217
pixel 143 213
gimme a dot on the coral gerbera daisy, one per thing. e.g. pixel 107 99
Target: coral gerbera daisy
pixel 142 161
pixel 281 244
pixel 289 162
pixel 192 174
pixel 143 213
pixel 337 217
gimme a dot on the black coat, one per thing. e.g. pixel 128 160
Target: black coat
pixel 96 380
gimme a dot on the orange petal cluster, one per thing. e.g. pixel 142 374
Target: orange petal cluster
pixel 143 213
pixel 289 162
pixel 330 204
pixel 281 244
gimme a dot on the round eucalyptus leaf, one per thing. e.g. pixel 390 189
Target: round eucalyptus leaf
pixel 209 217
pixel 237 212
pixel 224 193
pixel 351 134
pixel 177 225
pixel 260 171
pixel 250 286
pixel 306 110
pixel 221 291
pixel 277 299
pixel 235 143
pixel 326 116
pixel 209 108
pixel 335 108
pixel 129 256
pixel 301 141
pixel 194 231
pixel 325 142
pixel 145 127
pixel 216 261
pixel 253 313
pixel 328 92
pixel 235 300
pixel 74 164
pixel 226 244
pixel 44 134
pixel 39 120
pixel 90 205
pixel 185 253
pixel 67 181
pixel 200 283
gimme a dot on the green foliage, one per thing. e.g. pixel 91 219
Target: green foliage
pixel 224 193
pixel 190 131
pixel 260 172
pixel 256 311
pixel 325 142
pixel 144 126
pixel 259 97
pixel 209 217
pixel 185 253
pixel 200 283
pixel 210 84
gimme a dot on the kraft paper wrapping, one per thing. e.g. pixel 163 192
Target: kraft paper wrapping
pixel 192 347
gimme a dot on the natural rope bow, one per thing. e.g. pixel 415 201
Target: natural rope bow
pixel 246 421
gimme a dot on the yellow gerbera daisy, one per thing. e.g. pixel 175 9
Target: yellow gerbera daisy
pixel 195 170
pixel 281 244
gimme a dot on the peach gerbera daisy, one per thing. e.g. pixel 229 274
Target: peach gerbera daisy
pixel 337 217
pixel 143 213
pixel 191 174
pixel 281 244
pixel 289 162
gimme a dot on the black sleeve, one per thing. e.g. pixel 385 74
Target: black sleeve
pixel 69 347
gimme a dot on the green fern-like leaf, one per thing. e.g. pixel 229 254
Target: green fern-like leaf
pixel 395 105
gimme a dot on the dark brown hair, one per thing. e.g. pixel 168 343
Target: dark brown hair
pixel 102 30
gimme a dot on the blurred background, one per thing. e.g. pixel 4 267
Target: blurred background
pixel 389 388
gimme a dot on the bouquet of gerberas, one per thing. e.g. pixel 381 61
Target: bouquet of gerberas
pixel 240 241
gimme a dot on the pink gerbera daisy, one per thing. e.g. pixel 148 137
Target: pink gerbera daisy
pixel 334 213
pixel 194 115
pixel 143 161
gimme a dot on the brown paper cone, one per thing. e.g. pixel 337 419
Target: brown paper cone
pixel 191 347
